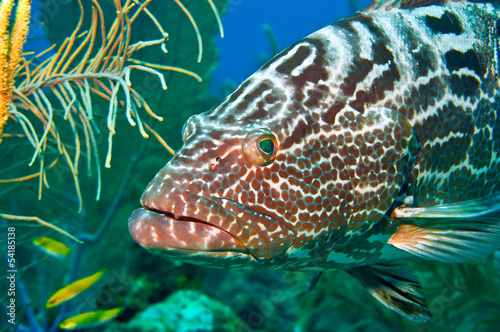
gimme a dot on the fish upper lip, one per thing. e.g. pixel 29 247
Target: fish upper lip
pixel 170 215
pixel 257 234
pixel 181 218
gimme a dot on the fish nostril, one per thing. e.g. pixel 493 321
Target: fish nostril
pixel 214 164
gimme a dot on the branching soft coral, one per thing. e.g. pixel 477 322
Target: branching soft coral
pixel 51 103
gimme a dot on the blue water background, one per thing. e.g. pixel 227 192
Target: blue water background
pixel 246 43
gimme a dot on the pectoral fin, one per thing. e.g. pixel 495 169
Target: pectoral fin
pixel 313 280
pixel 395 285
pixel 457 232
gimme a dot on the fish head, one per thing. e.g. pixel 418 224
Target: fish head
pixel 215 202
pixel 270 179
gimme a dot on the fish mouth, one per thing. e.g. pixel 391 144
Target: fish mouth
pixel 176 222
pixel 159 230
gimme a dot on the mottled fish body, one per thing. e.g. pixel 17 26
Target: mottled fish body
pixel 371 140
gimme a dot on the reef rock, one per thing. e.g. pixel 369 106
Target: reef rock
pixel 184 311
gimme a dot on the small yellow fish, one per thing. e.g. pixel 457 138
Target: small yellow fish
pixel 89 319
pixel 73 289
pixel 52 247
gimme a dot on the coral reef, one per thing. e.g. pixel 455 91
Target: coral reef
pixel 184 311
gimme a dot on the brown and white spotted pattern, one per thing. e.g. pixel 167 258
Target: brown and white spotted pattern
pixel 377 108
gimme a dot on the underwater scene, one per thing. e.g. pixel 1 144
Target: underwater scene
pixel 351 184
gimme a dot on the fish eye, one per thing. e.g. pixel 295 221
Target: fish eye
pixel 266 146
pixel 260 147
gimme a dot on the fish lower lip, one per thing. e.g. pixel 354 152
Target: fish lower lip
pixel 157 230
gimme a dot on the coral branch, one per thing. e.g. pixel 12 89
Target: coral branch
pixel 195 27
pixel 69 73
pixel 41 222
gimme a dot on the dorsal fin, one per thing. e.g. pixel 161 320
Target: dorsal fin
pixel 389 4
